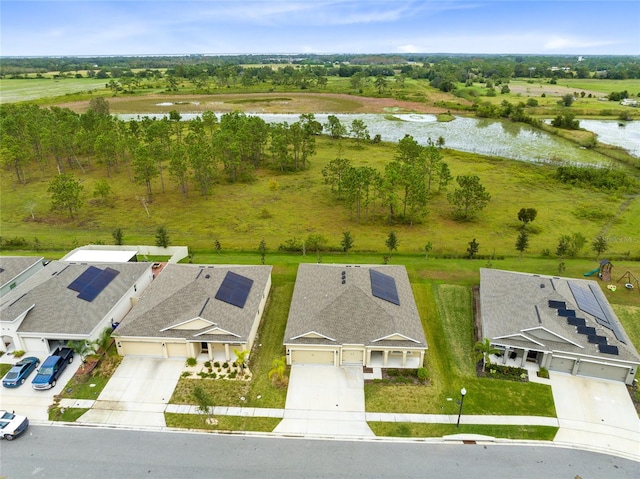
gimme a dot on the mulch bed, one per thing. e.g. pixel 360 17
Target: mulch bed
pixel 88 366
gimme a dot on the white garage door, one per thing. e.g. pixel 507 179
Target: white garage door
pixel 352 356
pixel 177 350
pixel 602 371
pixel 142 349
pixel 302 356
pixel 563 365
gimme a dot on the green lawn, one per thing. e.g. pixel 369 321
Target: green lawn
pixel 403 429
pixel 225 423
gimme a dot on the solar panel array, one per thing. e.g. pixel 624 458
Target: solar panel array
pixel 596 339
pixel 557 304
pixel 566 313
pixel 85 278
pixel 608 349
pixel 587 301
pixel 234 289
pixel 95 287
pixel 586 330
pixel 92 282
pixel 384 287
pixel 576 321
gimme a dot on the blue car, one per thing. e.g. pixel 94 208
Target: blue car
pixel 20 371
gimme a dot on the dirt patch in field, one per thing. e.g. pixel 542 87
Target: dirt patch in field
pixel 537 89
pixel 259 103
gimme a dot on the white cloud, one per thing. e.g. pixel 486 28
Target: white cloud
pixel 566 43
pixel 408 48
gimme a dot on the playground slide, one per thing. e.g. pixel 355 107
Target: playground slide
pixel 591 273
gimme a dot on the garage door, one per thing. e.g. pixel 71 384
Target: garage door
pixel 312 357
pixel 177 350
pixel 352 356
pixel 141 349
pixel 602 371
pixel 563 365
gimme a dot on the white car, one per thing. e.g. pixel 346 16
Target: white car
pixel 12 425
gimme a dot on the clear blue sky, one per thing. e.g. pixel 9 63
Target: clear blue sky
pixel 39 28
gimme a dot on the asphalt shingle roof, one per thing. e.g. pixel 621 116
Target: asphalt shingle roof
pixel 57 309
pixel 514 302
pixel 12 266
pixel 349 313
pixel 182 293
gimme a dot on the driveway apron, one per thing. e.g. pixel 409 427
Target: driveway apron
pixel 326 401
pixel 595 413
pixel 137 394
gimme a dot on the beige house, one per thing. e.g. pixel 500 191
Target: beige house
pixel 354 315
pixel 69 301
pixel 563 324
pixel 194 310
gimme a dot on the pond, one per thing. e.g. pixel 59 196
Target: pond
pixel 504 139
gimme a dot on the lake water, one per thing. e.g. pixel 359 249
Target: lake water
pixel 504 139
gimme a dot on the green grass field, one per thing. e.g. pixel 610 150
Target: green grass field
pixel 20 90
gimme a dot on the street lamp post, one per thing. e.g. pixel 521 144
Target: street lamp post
pixel 463 392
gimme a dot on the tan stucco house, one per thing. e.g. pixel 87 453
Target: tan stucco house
pixel 69 301
pixel 563 324
pixel 197 310
pixel 354 315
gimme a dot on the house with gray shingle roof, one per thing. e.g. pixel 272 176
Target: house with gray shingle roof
pixel 69 301
pixel 354 315
pixel 197 310
pixel 563 324
pixel 14 270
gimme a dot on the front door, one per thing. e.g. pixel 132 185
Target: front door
pixel 204 347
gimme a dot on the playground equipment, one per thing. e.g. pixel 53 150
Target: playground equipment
pixel 631 281
pixel 592 272
pixel 604 270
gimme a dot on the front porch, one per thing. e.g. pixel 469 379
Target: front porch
pixel 515 360
pixel 395 360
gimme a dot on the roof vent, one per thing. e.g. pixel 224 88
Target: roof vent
pixel 542 285
pixel 207 276
pixel 344 281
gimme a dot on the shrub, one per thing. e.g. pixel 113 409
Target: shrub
pixel 192 362
pixel 185 374
pixel 216 364
pixel 423 375
pixel 543 373
pixel 18 353
pixel 225 365
pixel 207 364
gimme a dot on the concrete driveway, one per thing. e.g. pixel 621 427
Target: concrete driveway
pixel 325 400
pixel 595 413
pixel 27 401
pixel 137 394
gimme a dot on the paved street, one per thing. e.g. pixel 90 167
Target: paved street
pixel 111 453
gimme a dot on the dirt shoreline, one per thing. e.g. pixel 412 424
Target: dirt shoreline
pixel 264 103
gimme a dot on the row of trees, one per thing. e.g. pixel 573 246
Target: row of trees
pixel 416 173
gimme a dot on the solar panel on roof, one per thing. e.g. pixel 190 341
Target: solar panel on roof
pixel 595 339
pixel 576 321
pixel 93 289
pixel 608 349
pixel 384 287
pixel 587 300
pixel 557 304
pixel 234 289
pixel 586 330
pixel 85 278
pixel 566 313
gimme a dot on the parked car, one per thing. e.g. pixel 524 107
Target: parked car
pixel 20 371
pixel 12 425
pixel 52 368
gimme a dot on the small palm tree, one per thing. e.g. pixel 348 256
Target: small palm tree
pixel 241 358
pixel 277 371
pixel 81 347
pixel 484 349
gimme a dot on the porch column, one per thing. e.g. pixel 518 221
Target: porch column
pixel 210 351
pixel 385 357
pixel 576 365
pixel 226 351
pixel 421 359
pixel 404 358
pixel 545 360
pixel 507 350
pixel 524 358
pixel 368 358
